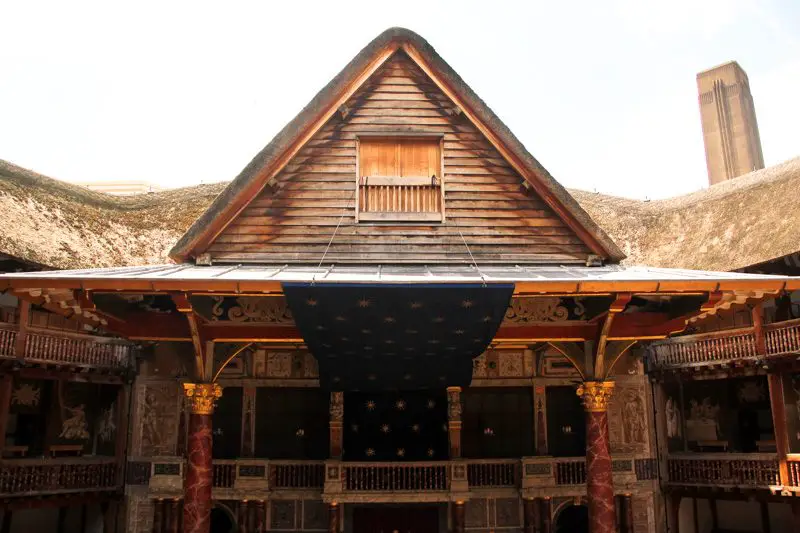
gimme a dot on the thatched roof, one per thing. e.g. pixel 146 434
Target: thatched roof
pixel 268 160
pixel 59 225
pixel 734 224
pixel 737 223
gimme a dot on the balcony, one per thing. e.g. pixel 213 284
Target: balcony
pixel 724 470
pixel 431 481
pixel 725 347
pixel 74 350
pixel 394 199
pixel 40 477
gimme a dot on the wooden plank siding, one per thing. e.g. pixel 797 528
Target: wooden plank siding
pixel 485 200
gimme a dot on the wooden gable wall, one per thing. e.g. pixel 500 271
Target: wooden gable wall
pixel 485 201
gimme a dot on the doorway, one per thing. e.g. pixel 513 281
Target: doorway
pixel 396 519
pixel 222 520
pixel 573 519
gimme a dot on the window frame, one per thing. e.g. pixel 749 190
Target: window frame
pixel 399 136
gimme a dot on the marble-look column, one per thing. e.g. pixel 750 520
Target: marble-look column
pixel 334 514
pixel 599 480
pixel 546 511
pixel 261 516
pixel 173 514
pixel 531 514
pixel 459 517
pixel 198 480
pixel 158 516
pixel 625 513
pixel 241 517
pixel 454 421
pixel 336 423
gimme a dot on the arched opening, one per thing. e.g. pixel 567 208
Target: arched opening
pixel 573 519
pixel 222 520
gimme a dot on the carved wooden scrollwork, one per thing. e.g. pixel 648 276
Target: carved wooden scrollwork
pixel 271 310
pixel 524 310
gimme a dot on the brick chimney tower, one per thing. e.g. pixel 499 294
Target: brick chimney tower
pixel 730 130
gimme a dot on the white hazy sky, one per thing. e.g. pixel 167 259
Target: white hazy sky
pixel 603 94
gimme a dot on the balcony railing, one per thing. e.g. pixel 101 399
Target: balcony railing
pixel 383 477
pixel 223 474
pixel 399 199
pixel 570 471
pixel 8 342
pixel 24 477
pixel 362 481
pixel 293 475
pixel 723 346
pixel 493 473
pixel 724 470
pixel 66 348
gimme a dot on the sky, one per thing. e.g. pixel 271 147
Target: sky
pixel 603 94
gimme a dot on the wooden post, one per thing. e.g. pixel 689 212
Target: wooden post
pixel 121 444
pixel 6 388
pixel 778 408
pixel 336 424
pixel 758 329
pixel 22 332
pixel 454 421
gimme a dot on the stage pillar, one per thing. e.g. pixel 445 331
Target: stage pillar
pixel 198 480
pixel 599 480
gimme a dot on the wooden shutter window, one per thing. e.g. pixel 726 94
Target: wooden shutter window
pixel 400 179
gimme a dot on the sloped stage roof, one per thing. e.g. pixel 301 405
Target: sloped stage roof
pixel 277 154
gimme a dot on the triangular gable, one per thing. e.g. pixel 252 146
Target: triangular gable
pixel 264 172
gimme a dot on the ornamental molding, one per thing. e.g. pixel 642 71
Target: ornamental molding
pixel 202 397
pixel 525 310
pixel 596 395
pixel 272 310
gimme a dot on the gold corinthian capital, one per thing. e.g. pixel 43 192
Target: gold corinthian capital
pixel 596 395
pixel 202 397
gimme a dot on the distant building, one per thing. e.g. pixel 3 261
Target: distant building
pixel 730 130
pixel 122 188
